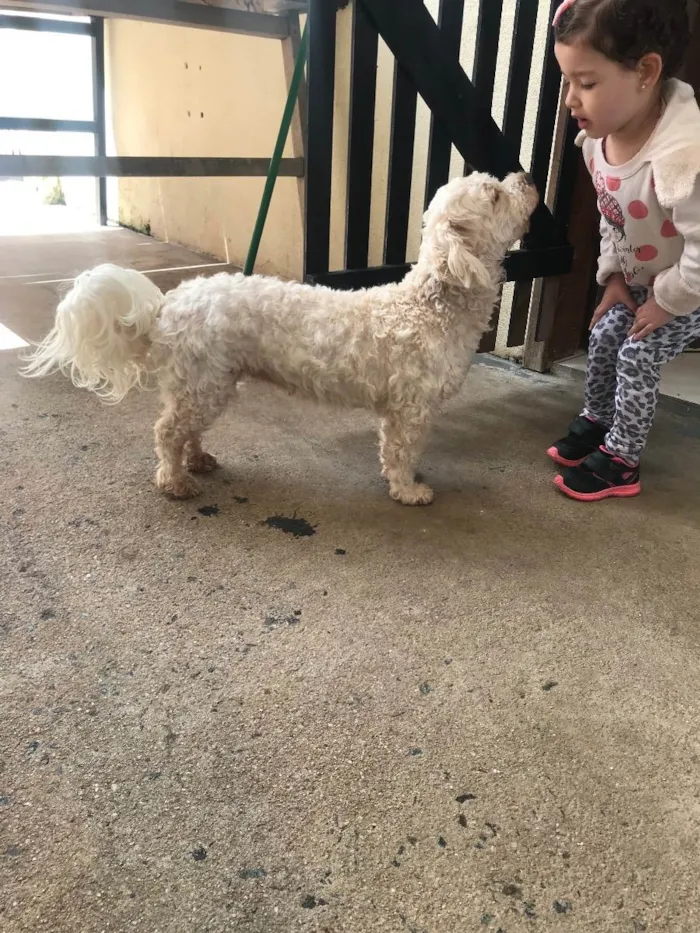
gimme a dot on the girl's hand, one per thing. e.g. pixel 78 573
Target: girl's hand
pixel 650 317
pixel 616 293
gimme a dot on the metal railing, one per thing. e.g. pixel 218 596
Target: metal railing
pixel 427 63
pixel 100 165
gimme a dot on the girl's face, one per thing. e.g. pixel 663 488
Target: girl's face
pixel 603 96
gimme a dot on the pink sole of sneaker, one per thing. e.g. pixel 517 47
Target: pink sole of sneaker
pixel 553 453
pixel 614 492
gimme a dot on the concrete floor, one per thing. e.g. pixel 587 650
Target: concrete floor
pixel 478 716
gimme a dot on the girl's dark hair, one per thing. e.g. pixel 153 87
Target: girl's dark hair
pixel 627 30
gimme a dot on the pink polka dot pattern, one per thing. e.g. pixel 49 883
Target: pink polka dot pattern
pixel 638 210
pixel 668 230
pixel 613 184
pixel 646 253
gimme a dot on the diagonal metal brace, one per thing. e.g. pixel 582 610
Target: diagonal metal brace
pixel 413 37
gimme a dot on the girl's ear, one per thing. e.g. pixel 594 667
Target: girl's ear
pixel 650 69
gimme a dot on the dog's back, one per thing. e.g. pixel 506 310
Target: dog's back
pixel 327 344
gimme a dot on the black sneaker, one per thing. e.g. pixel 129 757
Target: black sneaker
pixel 600 476
pixel 584 437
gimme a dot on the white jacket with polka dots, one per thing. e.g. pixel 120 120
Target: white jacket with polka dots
pixel 650 206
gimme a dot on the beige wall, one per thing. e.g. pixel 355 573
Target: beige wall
pixel 188 92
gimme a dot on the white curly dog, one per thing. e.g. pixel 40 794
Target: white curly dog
pixel 397 350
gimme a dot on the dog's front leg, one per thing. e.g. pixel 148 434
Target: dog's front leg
pixel 402 439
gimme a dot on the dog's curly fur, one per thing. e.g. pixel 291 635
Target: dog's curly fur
pixel 398 350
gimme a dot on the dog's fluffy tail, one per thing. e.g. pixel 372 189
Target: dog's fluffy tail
pixel 102 332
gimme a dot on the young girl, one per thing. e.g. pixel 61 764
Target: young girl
pixel 641 142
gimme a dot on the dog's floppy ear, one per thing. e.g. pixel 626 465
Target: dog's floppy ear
pixel 462 264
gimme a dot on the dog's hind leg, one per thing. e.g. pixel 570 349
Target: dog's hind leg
pixel 402 439
pixel 179 436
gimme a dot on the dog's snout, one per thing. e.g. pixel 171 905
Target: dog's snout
pixel 528 179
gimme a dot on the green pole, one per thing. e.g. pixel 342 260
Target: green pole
pixel 277 155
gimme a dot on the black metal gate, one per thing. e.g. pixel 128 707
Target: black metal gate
pixel 427 63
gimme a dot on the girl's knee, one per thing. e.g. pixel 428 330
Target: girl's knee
pixel 614 326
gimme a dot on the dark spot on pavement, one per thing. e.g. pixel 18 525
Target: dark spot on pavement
pixel 48 614
pixel 413 840
pixel 209 510
pixel 272 621
pixel 5 801
pixel 550 685
pixel 529 909
pixel 32 747
pixel 512 890
pixel 298 527
pixel 425 689
pixel 310 902
pixel 79 522
pixel 13 851
pixel 340 551
pixel 415 752
pixel 464 797
pixel 241 500
pixel 252 873
pixel 199 854
pixel 487 918
pixel 462 820
pixel 442 842
pixel 562 907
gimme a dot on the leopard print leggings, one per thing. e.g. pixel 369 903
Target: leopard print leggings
pixel 623 375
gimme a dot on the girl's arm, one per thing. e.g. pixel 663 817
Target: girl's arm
pixel 677 290
pixel 608 261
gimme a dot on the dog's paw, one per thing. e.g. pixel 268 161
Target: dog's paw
pixel 413 494
pixel 202 463
pixel 181 487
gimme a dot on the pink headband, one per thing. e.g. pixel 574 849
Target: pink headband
pixel 566 5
